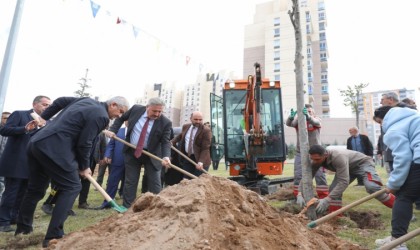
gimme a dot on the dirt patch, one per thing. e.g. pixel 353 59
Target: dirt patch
pixel 367 219
pixel 283 193
pixel 204 213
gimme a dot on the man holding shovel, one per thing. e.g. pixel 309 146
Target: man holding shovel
pixel 402 135
pixel 61 151
pixel 347 165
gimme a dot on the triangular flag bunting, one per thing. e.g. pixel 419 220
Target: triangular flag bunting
pixel 95 8
pixel 118 20
pixel 135 31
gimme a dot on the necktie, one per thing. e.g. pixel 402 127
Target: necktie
pixel 140 144
pixel 190 143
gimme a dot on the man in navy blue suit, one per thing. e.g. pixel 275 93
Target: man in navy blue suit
pixel 14 163
pixel 60 152
pixel 114 157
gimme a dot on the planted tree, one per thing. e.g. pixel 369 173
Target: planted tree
pixel 352 97
pixel 83 83
pixel 307 189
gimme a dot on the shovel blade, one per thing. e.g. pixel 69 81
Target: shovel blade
pixel 116 207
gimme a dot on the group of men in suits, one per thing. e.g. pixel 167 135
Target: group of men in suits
pixel 61 152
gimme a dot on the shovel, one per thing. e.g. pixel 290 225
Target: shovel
pixel 321 220
pixel 155 157
pixel 187 158
pixel 400 240
pixel 308 204
pixel 111 202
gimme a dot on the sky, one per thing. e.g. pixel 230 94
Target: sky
pixel 369 41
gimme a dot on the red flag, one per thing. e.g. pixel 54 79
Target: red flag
pixel 118 20
pixel 187 60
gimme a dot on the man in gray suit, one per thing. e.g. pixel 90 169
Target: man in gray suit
pixel 156 130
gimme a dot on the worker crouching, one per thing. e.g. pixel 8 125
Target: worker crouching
pixel 347 165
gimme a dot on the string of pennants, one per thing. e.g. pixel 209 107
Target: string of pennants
pixel 97 8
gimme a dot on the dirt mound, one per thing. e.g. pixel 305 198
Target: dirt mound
pixel 284 193
pixel 204 213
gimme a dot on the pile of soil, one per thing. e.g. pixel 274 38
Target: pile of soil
pixel 204 213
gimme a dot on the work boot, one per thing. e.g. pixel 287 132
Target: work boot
pixel 387 240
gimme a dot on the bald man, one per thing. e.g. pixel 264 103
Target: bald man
pixel 194 142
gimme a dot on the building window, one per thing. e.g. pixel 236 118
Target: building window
pixel 322 36
pixel 276 21
pixel 308 17
pixel 321 26
pixel 276 32
pixel 324 89
pixel 321 16
pixel 308 29
pixel 277 67
pixel 323 46
pixel 276 55
pixel 276 77
pixel 323 56
pixel 277 43
pixel 321 6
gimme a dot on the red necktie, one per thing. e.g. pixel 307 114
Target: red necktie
pixel 190 143
pixel 140 144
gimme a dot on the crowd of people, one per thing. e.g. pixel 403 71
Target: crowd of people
pixel 58 144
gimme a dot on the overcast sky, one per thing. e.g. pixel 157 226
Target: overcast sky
pixel 369 41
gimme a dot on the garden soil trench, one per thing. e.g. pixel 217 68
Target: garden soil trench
pixel 204 213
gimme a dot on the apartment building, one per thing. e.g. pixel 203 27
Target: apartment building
pixel 270 40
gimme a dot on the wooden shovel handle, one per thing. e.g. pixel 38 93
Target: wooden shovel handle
pixel 187 158
pixel 343 209
pixel 155 157
pixel 400 240
pixel 98 187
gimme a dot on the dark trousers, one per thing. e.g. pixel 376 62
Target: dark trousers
pixel 403 206
pixel 41 169
pixel 12 198
pixel 132 176
pixel 116 174
pixel 190 168
pixel 84 192
pixel 101 174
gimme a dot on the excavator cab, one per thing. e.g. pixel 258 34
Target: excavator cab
pixel 250 117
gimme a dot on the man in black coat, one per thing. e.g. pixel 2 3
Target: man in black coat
pixel 61 152
pixel 14 163
pixel 157 134
pixel 360 143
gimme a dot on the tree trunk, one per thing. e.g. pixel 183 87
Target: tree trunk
pixel 306 181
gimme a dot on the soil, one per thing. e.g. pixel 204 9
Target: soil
pixel 204 213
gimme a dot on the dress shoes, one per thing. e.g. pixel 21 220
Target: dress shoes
pixel 6 229
pixel 71 213
pixel 84 205
pixel 21 230
pixel 102 207
pixel 47 208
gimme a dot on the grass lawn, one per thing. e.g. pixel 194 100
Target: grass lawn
pixel 364 237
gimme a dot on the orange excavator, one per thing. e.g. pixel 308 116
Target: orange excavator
pixel 248 123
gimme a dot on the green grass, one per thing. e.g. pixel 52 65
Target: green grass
pixel 365 237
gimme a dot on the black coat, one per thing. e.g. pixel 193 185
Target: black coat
pixel 364 140
pixel 13 161
pixel 71 135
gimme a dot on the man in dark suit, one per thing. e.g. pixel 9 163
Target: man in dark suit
pixel 14 163
pixel 61 152
pixel 360 143
pixel 195 141
pixel 156 130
